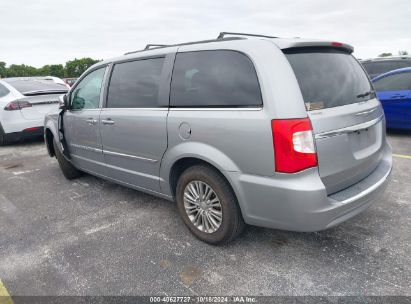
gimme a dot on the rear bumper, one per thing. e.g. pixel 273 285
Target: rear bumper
pixel 18 136
pixel 299 202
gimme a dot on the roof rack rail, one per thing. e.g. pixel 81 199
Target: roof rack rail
pixel 149 46
pixel 159 46
pixel 222 34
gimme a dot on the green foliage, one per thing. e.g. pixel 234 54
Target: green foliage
pixel 76 67
pixel 72 69
pixel 56 70
pixel 3 69
pixel 402 53
pixel 385 55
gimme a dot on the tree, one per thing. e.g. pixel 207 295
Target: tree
pixel 21 70
pixel 3 69
pixel 402 53
pixel 385 55
pixel 56 70
pixel 76 67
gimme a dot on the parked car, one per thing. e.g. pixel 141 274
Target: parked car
pixel 280 133
pixel 394 92
pixel 70 81
pixel 55 80
pixel 24 101
pixel 378 66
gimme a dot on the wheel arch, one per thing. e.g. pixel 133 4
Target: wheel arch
pixel 50 133
pixel 187 154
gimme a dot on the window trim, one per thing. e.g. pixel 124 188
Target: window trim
pixel 213 107
pixel 163 72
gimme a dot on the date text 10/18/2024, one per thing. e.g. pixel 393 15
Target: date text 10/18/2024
pixel 203 299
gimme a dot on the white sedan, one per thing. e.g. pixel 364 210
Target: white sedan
pixel 24 101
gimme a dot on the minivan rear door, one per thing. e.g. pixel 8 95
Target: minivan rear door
pixel 347 119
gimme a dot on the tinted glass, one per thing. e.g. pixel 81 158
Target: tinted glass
pixel 86 94
pixel 3 90
pixel 329 78
pixel 32 85
pixel 396 82
pixel 135 84
pixel 214 79
pixel 380 67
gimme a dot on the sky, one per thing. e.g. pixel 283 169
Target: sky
pixel 51 32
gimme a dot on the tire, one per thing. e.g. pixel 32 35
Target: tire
pixel 69 171
pixel 3 140
pixel 231 224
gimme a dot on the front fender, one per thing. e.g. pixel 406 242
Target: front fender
pixel 50 124
pixel 197 150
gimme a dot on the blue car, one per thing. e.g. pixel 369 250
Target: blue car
pixel 394 91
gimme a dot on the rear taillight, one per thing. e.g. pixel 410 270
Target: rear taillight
pixel 294 148
pixel 17 105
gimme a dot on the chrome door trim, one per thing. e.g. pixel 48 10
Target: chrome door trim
pixel 86 148
pixel 349 129
pixel 150 160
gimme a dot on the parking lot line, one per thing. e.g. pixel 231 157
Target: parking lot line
pixel 402 156
pixel 4 295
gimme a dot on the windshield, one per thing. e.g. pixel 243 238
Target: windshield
pixel 29 86
pixel 329 77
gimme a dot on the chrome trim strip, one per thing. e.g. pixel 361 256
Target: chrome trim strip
pixel 368 190
pixel 366 112
pixel 130 156
pixel 232 109
pixel 349 129
pixel 86 148
pixel 164 109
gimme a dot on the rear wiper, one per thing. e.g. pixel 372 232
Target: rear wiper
pixel 365 94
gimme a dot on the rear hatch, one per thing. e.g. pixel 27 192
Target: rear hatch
pixel 36 107
pixel 347 119
pixel 40 95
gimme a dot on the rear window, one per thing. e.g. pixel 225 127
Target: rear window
pixel 33 86
pixel 3 90
pixel 214 79
pixel 381 67
pixel 329 78
pixel 396 82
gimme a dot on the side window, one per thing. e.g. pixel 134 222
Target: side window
pixel 3 91
pixel 214 79
pixel 135 84
pixel 396 82
pixel 86 94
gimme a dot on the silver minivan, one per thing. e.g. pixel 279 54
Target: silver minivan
pixel 279 133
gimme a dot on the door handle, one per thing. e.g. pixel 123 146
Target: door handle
pixel 91 121
pixel 397 96
pixel 107 121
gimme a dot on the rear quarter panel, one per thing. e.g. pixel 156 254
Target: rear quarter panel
pixel 235 139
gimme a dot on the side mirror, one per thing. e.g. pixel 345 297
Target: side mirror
pixel 63 102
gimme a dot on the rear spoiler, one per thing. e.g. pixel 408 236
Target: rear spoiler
pixel 294 43
pixel 44 92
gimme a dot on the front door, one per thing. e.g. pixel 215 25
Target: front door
pixel 133 125
pixel 82 123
